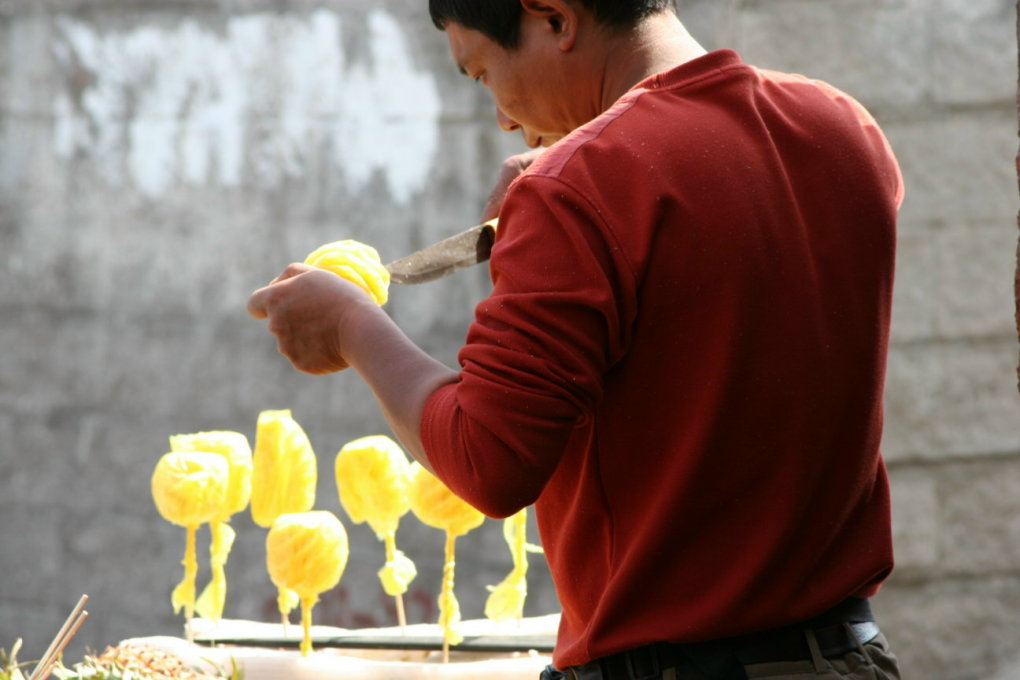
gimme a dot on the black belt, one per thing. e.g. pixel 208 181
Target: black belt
pixel 838 631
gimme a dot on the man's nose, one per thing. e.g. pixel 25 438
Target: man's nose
pixel 506 123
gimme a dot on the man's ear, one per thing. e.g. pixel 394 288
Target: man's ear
pixel 558 16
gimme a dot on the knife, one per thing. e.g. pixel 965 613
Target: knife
pixel 445 257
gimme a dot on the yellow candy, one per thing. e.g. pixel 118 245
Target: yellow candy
pixel 434 504
pixel 284 473
pixel 211 603
pixel 506 600
pixel 373 476
pixel 234 448
pixel 306 552
pixel 189 489
pixel 283 477
pixel 396 574
pixel 449 608
pixel 356 262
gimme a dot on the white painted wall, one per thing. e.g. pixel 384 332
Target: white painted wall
pixel 188 104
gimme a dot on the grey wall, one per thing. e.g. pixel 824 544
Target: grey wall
pixel 158 161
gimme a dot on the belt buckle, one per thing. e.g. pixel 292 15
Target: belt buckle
pixel 865 631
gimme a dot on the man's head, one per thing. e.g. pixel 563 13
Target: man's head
pixel 545 61
pixel 499 20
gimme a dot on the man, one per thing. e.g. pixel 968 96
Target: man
pixel 682 359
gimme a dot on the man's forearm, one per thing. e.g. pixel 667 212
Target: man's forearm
pixel 400 374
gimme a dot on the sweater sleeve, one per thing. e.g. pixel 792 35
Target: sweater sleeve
pixel 537 352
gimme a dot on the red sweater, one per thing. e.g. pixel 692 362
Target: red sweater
pixel 682 360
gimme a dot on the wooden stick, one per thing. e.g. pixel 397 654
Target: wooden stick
pixel 60 648
pixel 401 618
pixel 62 636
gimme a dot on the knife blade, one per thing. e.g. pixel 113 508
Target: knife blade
pixel 445 257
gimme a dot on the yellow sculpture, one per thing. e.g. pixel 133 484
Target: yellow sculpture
pixel 234 448
pixel 284 476
pixel 506 600
pixel 373 476
pixel 356 262
pixel 434 504
pixel 306 553
pixel 189 489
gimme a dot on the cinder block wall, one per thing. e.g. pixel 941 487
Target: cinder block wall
pixel 941 79
pixel 158 161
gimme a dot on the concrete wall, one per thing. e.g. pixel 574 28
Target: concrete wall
pixel 158 161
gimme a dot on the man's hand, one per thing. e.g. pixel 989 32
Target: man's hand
pixel 323 322
pixel 306 307
pixel 512 167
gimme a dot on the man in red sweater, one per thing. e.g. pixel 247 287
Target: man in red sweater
pixel 682 359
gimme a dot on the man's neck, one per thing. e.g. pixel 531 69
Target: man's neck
pixel 659 43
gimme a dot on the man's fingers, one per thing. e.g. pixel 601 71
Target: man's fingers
pixel 511 169
pixel 257 303
pixel 292 270
pixel 492 206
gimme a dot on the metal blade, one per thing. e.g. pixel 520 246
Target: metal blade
pixel 445 257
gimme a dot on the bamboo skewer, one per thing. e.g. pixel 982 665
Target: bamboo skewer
pixel 401 617
pixel 60 648
pixel 64 635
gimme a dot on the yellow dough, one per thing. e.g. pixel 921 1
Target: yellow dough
pixel 356 262
pixel 434 504
pixel 373 477
pixel 234 448
pixel 506 600
pixel 284 472
pixel 306 552
pixel 284 476
pixel 189 489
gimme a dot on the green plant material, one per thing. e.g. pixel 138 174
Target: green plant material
pixel 10 669
pixel 121 663
pixel 236 671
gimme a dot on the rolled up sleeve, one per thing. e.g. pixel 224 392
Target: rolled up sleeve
pixel 537 352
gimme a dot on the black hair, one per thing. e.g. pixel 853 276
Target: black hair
pixel 500 20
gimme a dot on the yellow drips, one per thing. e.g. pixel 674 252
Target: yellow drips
pixel 436 505
pixel 235 450
pixel 213 599
pixel 189 489
pixel 449 608
pixel 506 600
pixel 399 570
pixel 307 604
pixel 183 595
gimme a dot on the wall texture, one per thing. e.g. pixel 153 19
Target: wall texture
pixel 158 161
